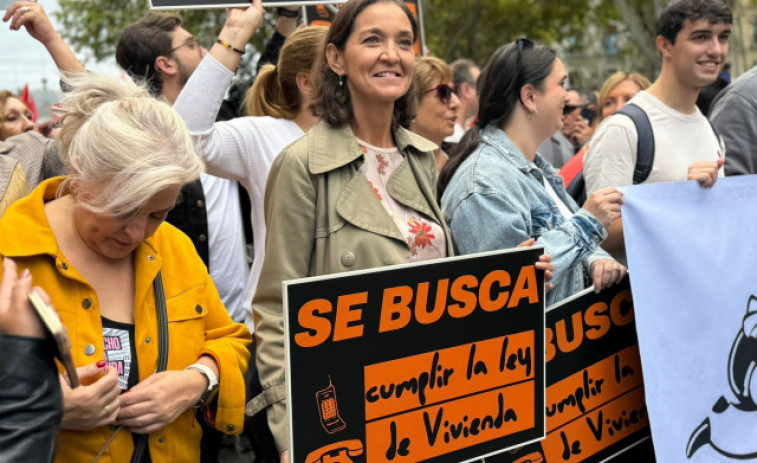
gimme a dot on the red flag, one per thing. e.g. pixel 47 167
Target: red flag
pixel 28 100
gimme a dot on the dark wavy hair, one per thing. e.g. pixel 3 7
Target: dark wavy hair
pixel 499 88
pixel 676 12
pixel 331 102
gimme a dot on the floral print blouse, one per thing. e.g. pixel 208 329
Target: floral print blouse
pixel 424 236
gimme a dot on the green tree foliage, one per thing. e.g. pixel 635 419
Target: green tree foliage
pixel 92 28
pixel 475 28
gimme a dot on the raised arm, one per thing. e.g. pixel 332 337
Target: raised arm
pixel 32 16
pixel 223 146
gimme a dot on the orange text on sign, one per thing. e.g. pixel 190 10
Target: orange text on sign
pixel 457 298
pixel 591 324
pixel 441 429
pixel 425 379
pixel 597 430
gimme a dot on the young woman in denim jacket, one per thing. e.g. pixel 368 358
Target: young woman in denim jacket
pixel 496 191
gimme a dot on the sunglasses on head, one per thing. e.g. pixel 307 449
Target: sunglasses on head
pixel 569 108
pixel 521 45
pixel 444 92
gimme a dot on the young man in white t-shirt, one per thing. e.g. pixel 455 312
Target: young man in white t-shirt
pixel 692 36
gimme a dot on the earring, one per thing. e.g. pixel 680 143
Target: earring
pixel 341 81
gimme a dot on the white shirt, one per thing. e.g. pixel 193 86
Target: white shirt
pixel 241 149
pixel 566 213
pixel 458 133
pixel 680 140
pixel 226 245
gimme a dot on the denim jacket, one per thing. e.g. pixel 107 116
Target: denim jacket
pixel 497 199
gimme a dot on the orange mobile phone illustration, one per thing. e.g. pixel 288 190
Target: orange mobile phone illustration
pixel 328 410
pixel 338 452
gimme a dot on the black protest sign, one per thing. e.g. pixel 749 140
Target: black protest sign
pixel 197 4
pixel 595 392
pixel 441 361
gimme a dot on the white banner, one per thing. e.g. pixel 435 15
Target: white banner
pixel 692 258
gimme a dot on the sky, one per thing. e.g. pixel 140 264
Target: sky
pixel 24 60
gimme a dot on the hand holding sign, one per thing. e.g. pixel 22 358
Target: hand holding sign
pixel 240 24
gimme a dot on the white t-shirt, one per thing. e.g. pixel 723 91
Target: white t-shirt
pixel 226 245
pixel 456 135
pixel 566 213
pixel 241 149
pixel 680 140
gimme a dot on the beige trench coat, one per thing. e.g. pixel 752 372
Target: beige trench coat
pixel 322 217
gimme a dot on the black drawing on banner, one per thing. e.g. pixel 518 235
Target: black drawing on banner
pixel 338 452
pixel 328 409
pixel 730 427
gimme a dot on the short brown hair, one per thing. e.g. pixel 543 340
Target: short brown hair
pixel 332 102
pixel 427 70
pixel 141 43
pixel 676 12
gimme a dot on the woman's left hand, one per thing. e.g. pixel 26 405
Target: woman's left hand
pixel 606 272
pixel 157 401
pixel 544 263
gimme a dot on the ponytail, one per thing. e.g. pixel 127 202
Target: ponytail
pixel 275 92
pixel 459 153
pixel 508 70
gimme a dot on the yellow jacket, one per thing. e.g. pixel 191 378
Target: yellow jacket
pixel 198 325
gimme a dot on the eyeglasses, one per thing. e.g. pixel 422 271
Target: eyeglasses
pixel 191 42
pixel 444 92
pixel 569 108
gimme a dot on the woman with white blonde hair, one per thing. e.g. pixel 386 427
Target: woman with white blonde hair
pixel 143 314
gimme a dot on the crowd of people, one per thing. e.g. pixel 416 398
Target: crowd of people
pixel 353 154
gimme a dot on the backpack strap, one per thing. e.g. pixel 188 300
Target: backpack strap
pixel 645 141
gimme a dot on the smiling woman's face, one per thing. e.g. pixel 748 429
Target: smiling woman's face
pixel 378 58
pixel 17 118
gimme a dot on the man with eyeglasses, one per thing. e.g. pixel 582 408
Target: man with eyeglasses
pixel 157 51
pixel 578 114
pixel 576 131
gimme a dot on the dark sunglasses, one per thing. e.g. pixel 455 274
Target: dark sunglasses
pixel 444 92
pixel 569 108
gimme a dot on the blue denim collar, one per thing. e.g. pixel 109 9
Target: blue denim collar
pixel 495 137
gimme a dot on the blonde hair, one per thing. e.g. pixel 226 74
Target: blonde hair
pixel 116 136
pixel 275 92
pixel 427 70
pixel 613 81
